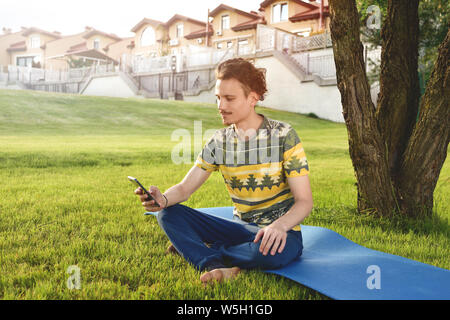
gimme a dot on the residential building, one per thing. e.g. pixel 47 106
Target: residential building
pixel 150 38
pixel 26 47
pixel 33 47
pixel 234 28
pixel 185 32
pixel 296 16
pixel 91 46
pixel 10 41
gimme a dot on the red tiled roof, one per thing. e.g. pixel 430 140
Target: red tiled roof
pixel 77 47
pixel 310 14
pixel 225 7
pixel 31 30
pixel 18 46
pixel 251 24
pixel 144 21
pixel 200 33
pixel 94 32
pixel 184 18
pixel 309 5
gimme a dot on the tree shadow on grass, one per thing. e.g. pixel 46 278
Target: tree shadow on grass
pixel 425 225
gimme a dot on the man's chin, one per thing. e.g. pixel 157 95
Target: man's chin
pixel 226 122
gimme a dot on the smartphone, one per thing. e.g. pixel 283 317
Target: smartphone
pixel 139 185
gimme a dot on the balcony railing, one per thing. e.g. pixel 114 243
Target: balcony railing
pixel 269 38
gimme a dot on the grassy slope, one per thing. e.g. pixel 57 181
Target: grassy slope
pixel 65 200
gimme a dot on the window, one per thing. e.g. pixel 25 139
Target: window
pixel 225 22
pixel 243 42
pixel 219 45
pixel 180 30
pixel 229 44
pixel 97 44
pixel 24 61
pixel 148 37
pixel 280 12
pixel 35 42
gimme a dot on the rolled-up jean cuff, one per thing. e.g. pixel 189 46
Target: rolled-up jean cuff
pixel 214 266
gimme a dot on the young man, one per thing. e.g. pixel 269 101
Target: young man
pixel 266 173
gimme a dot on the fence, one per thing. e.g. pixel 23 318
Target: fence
pixel 269 38
pixel 318 41
pixel 207 57
pixel 149 64
pixel 163 84
pixel 322 65
pixel 139 65
pixel 28 75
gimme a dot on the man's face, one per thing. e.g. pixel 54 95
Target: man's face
pixel 233 105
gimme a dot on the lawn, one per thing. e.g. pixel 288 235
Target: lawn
pixel 65 200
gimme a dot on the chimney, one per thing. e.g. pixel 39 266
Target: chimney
pixel 6 30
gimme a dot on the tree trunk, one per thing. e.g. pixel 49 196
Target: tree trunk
pixel 397 113
pixel 366 145
pixel 397 161
pixel 427 148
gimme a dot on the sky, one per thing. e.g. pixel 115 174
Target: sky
pixel 110 16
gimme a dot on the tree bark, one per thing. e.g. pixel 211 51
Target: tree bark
pixel 397 161
pixel 399 82
pixel 427 148
pixel 366 145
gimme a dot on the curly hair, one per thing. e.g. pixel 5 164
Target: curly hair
pixel 251 78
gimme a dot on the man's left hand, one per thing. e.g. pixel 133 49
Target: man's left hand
pixel 273 236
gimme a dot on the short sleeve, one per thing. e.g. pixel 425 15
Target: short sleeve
pixel 206 158
pixel 295 163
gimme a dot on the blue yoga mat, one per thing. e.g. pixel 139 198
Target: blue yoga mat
pixel 342 269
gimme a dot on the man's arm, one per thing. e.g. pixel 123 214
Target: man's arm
pixel 175 194
pixel 274 236
pixel 301 189
pixel 190 183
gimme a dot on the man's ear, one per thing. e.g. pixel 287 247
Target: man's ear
pixel 254 97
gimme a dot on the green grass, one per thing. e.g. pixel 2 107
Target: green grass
pixel 65 200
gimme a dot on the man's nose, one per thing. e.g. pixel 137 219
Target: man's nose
pixel 220 105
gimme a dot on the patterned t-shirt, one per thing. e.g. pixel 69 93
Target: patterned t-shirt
pixel 255 170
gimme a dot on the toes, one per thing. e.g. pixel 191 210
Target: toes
pixel 209 276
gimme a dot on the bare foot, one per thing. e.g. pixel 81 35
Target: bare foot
pixel 219 274
pixel 171 249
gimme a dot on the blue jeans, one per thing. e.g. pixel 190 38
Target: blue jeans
pixel 230 242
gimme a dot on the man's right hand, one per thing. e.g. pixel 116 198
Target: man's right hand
pixel 150 205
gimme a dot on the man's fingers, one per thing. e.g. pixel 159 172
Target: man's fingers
pixel 281 248
pixel 138 191
pixel 259 235
pixel 266 243
pixel 150 204
pixel 275 246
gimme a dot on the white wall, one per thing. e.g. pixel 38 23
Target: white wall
pixel 110 86
pixel 206 96
pixel 286 92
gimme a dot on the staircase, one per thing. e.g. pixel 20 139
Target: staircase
pixel 292 65
pixel 298 70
